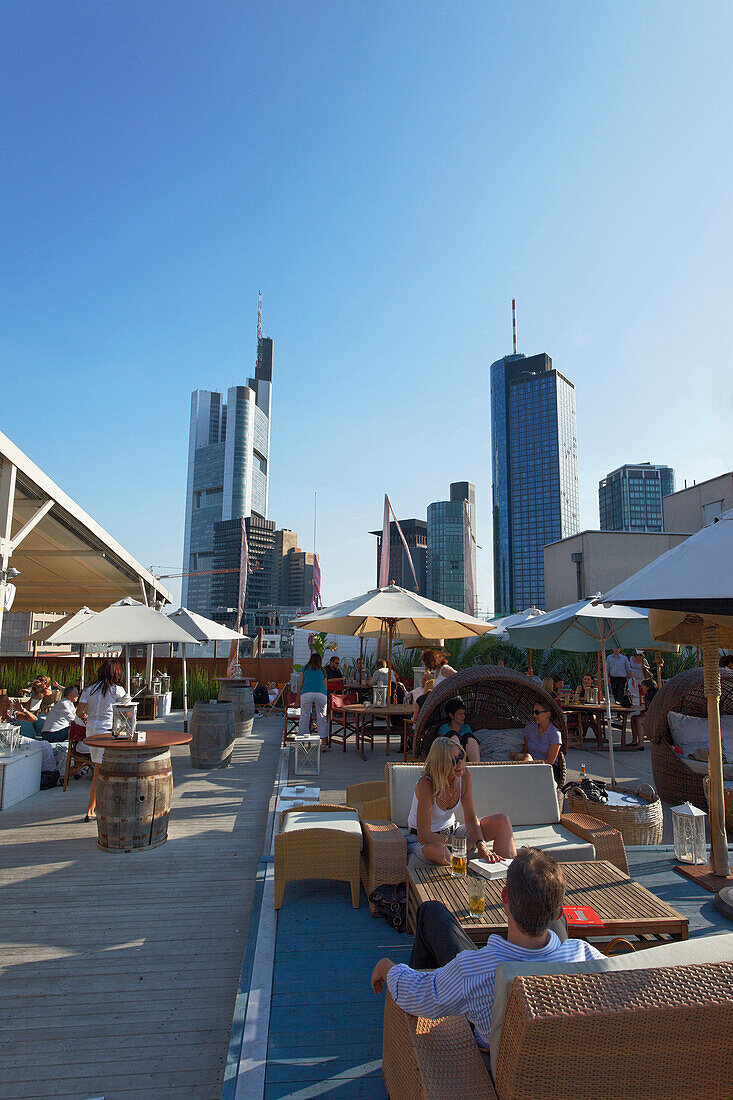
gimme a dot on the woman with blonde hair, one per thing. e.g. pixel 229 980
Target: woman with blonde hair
pixel 437 663
pixel 431 822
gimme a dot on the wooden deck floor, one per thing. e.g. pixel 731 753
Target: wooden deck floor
pixel 118 973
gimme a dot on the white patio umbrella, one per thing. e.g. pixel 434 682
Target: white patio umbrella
pixel 587 627
pixel 501 626
pixel 404 613
pixel 203 630
pixel 127 623
pixel 689 594
pixel 48 633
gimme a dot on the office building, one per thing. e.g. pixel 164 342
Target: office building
pixel 579 567
pixel 228 456
pixel 416 537
pixel 698 505
pixel 446 543
pixel 534 462
pixel 630 498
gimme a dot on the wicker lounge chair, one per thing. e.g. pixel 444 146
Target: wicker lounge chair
pixel 495 698
pixel 675 782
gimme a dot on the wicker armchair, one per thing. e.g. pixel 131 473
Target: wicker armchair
pixel 675 782
pixel 495 698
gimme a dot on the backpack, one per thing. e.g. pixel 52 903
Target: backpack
pixel 593 789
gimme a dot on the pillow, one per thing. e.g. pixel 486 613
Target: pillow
pixel 700 767
pixel 495 745
pixel 687 729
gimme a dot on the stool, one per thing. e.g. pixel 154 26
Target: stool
pixel 318 842
pixel 307 755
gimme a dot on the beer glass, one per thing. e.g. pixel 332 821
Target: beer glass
pixel 476 895
pixel 458 859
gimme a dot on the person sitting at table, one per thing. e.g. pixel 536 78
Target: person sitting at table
pixel 542 740
pixel 532 676
pixel 419 695
pixel 334 671
pixel 272 692
pixel 31 712
pixel 448 975
pixel 261 696
pixel 444 783
pixel 557 685
pixel 647 691
pixel 8 714
pixel 436 662
pixel 95 708
pixel 381 678
pixel 457 729
pixel 61 715
pixel 585 692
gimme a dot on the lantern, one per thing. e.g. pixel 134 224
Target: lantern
pixel 157 686
pixel 379 695
pixel 165 683
pixel 124 720
pixel 688 826
pixel 9 737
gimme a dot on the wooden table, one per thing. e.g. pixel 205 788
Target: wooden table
pixel 135 782
pixel 362 711
pixel 597 712
pixel 626 908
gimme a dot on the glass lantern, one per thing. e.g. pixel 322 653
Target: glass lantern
pixel 379 696
pixel 688 826
pixel 165 683
pixel 156 686
pixel 124 720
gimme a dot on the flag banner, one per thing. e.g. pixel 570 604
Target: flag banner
pixel 407 549
pixel 316 601
pixel 233 664
pixel 384 560
pixel 469 587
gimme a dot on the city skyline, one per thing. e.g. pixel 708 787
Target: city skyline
pixel 384 193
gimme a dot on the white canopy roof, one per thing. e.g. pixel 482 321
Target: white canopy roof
pixel 205 630
pixel 66 560
pixel 125 623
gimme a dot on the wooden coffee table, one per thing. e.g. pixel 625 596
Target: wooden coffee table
pixel 626 908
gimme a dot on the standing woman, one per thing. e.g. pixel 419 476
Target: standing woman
pixel 312 693
pixel 437 663
pixel 95 707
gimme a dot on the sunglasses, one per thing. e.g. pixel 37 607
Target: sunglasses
pixel 457 759
pixel 540 712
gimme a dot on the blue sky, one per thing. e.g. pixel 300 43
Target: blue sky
pixel 390 175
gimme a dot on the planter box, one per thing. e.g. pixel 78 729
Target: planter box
pixel 20 775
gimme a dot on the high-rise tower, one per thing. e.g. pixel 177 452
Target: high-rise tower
pixel 228 458
pixel 630 498
pixel 534 461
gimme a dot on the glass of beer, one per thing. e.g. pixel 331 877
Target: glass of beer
pixel 476 895
pixel 458 860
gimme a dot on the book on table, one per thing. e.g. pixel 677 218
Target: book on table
pixel 489 870
pixel 581 916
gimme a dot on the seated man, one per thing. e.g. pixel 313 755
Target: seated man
pixel 61 715
pixel 272 692
pixel 333 670
pixel 457 978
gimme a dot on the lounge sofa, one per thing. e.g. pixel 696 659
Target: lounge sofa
pixel 525 792
pixel 652 1025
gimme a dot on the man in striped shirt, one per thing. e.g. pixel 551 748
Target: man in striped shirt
pixel 449 976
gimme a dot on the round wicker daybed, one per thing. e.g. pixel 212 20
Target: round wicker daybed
pixel 495 698
pixel 675 782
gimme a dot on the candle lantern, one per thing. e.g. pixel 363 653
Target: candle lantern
pixel 157 686
pixel 124 720
pixel 688 828
pixel 9 737
pixel 379 695
pixel 165 683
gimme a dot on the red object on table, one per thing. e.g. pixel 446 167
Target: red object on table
pixel 580 916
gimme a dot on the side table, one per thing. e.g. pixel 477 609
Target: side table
pixel 308 755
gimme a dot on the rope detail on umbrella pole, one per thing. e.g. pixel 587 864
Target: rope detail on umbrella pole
pixel 719 859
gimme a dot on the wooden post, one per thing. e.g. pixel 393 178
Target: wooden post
pixel 608 723
pixel 719 859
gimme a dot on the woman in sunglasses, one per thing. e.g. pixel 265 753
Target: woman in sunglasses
pixel 542 740
pixel 431 822
pixel 459 731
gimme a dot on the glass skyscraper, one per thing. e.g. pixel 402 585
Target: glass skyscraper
pixel 534 460
pixel 228 457
pixel 446 556
pixel 630 498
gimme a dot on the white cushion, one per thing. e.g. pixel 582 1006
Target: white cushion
pixel 344 821
pixel 686 729
pixel 700 767
pixel 565 846
pixel 495 745
pixel 702 949
pixel 524 792
pixel 293 712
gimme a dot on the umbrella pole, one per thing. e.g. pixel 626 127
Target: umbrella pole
pixel 185 693
pixel 660 664
pixel 530 663
pixel 390 629
pixel 608 722
pixel 719 859
pixel 83 655
pixel 127 669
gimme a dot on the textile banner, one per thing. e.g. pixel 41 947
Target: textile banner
pixel 384 560
pixel 316 601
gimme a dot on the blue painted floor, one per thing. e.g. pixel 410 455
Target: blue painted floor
pixel 325 1022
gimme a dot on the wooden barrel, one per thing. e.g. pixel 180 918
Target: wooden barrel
pixel 134 795
pixel 212 731
pixel 240 694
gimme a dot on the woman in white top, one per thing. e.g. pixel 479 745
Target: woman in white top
pixel 444 783
pixel 95 708
pixel 437 663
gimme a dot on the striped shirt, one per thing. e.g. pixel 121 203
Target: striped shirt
pixel 465 985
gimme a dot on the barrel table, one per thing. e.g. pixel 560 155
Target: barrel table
pixel 135 790
pixel 213 731
pixel 239 692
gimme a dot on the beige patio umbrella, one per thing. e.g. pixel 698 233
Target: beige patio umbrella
pixel 689 593
pixel 401 613
pixel 203 630
pixel 48 633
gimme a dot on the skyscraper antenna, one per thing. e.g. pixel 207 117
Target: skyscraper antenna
pixel 259 314
pixel 514 325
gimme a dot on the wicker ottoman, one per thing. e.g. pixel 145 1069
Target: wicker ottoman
pixel 727 799
pixel 642 823
pixel 318 841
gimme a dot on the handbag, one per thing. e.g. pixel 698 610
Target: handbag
pixel 593 789
pixel 391 903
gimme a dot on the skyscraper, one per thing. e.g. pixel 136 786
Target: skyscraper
pixel 446 574
pixel 630 498
pixel 228 456
pixel 534 461
pixel 416 537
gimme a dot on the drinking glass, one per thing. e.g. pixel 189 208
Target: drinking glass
pixel 476 895
pixel 458 860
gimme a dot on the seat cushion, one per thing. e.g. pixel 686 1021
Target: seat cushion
pixel 345 821
pixel 702 949
pixel 700 767
pixel 565 846
pixel 293 712
pixel 495 745
pixel 687 729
